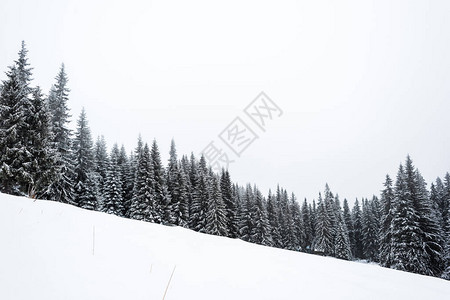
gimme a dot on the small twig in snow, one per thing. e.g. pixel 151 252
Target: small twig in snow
pixel 170 279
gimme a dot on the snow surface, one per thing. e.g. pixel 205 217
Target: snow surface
pixel 47 252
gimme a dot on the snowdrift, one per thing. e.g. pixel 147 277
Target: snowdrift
pixel 55 251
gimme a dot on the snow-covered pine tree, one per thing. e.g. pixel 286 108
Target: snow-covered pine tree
pixel 432 236
pixel 308 228
pixel 446 203
pixel 387 200
pixel 15 149
pixel 446 229
pixel 324 236
pixel 161 196
pixel 61 189
pixel 216 218
pixel 201 194
pixel 406 234
pixel 298 228
pixel 260 233
pixel 313 215
pixel 127 179
pixel 230 205
pixel 85 193
pixel 101 165
pixel 348 223
pixel 446 259
pixel 369 232
pixel 237 196
pixel 357 231
pixel 113 186
pixel 44 162
pixel 194 180
pixel 142 204
pixel 437 197
pixel 23 68
pixel 342 248
pixel 330 206
pixel 173 185
pixel 288 239
pixel 184 196
pixel 16 112
pixel 246 220
pixel 272 215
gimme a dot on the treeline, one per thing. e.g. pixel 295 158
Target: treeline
pixel 407 228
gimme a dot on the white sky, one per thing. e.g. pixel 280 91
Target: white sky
pixel 361 83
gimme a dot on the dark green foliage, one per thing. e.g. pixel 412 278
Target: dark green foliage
pixel 324 232
pixel 346 214
pixel 357 247
pixel 387 200
pixel 230 203
pixel 370 231
pixel 308 228
pixel 15 150
pixel 161 196
pixel 273 215
pixel 85 194
pixel 216 218
pixel 260 232
pixel 61 188
pixel 142 203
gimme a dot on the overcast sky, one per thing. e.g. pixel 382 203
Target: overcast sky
pixel 361 83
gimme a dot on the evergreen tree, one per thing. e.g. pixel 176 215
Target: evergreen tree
pixel 307 223
pixel 15 150
pixel 260 232
pixel 113 187
pixel 298 229
pixel 387 199
pixel 184 196
pixel 432 237
pixel 348 223
pixel 246 221
pixel 173 186
pixel 161 196
pixel 324 234
pixel 313 215
pixel 446 229
pixel 216 219
pixel 23 68
pixel 285 220
pixel 369 232
pixel 230 205
pixel 101 165
pixel 16 134
pixel 330 207
pixel 201 195
pixel 62 188
pixel 85 194
pixel 142 203
pixel 127 179
pixel 357 231
pixel 43 164
pixel 272 215
pixel 342 248
pixel 406 242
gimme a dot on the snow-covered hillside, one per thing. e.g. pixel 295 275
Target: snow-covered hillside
pixel 54 251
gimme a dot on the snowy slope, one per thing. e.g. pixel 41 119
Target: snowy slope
pixel 47 252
